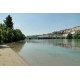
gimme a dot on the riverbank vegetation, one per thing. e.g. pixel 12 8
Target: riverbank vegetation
pixel 8 33
pixel 76 35
pixel 69 36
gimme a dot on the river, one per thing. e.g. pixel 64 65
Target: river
pixel 49 52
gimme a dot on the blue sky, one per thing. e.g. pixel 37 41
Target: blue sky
pixel 39 23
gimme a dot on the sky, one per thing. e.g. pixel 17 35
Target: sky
pixel 41 23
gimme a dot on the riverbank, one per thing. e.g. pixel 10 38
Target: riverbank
pixel 10 58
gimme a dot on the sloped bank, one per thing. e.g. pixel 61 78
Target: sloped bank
pixel 10 58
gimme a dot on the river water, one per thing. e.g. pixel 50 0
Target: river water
pixel 49 52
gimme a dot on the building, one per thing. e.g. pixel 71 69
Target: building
pixel 71 31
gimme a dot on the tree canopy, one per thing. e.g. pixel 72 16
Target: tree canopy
pixel 8 22
pixel 8 33
pixel 77 35
pixel 69 36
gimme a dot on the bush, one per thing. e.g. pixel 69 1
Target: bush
pixel 10 35
pixel 77 35
pixel 69 36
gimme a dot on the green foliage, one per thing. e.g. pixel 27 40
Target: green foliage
pixel 58 32
pixel 69 36
pixel 18 35
pixel 8 22
pixel 77 35
pixel 8 34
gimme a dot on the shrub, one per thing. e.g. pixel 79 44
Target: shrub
pixel 77 35
pixel 69 36
pixel 8 33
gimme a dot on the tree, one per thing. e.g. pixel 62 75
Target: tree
pixel 77 35
pixel 69 36
pixel 8 34
pixel 8 22
pixel 18 35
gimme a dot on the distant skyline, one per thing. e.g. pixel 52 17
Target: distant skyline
pixel 41 23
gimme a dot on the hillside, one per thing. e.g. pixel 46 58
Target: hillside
pixel 57 34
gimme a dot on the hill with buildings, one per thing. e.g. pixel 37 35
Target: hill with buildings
pixel 57 34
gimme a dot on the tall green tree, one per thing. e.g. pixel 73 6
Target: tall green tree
pixel 8 22
pixel 8 33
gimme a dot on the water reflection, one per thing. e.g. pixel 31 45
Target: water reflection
pixel 67 43
pixel 17 46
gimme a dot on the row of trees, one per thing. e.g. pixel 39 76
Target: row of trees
pixel 76 35
pixel 8 33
